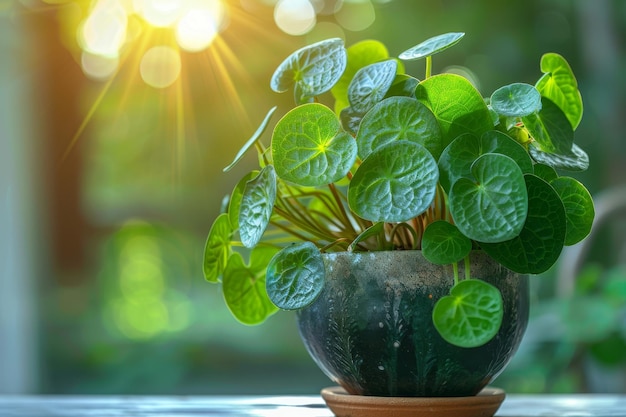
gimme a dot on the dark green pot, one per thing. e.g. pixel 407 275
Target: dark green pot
pixel 371 330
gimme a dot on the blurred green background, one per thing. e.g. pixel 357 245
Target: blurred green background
pixel 111 157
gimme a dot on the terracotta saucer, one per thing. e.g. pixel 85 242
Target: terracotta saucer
pixel 485 404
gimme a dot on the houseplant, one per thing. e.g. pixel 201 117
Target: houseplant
pixel 426 167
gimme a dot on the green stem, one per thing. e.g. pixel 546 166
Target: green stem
pixel 262 154
pixel 429 66
pixel 340 206
pixel 301 223
pixel 292 232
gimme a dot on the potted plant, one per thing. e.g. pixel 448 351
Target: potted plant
pixel 422 185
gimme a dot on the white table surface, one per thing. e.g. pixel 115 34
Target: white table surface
pixel 271 406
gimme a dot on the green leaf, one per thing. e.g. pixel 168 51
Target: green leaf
pixel 471 315
pixel 377 229
pixel 456 160
pixel 244 286
pixel 395 183
pixel 545 172
pixel 217 248
pixel 516 100
pixel 540 242
pixel 256 207
pixel 457 105
pixel 403 86
pixel 559 85
pixel 493 207
pixel 399 118
pixel 350 120
pixel 360 55
pixel 309 147
pixel 295 276
pixel 443 243
pixel 370 84
pixel 579 210
pixel 550 129
pixel 311 70
pixel 576 161
pixel 252 139
pixel 495 141
pixel 234 202
pixel 431 46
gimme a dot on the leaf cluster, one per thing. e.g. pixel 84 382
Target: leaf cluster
pixel 402 164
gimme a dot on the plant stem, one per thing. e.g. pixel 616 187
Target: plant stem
pixel 290 231
pixel 302 223
pixel 340 206
pixel 429 66
pixel 262 154
pixel 455 268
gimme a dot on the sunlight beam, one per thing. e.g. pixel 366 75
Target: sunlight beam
pixel 87 119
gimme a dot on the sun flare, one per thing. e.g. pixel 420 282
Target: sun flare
pixel 173 52
pixel 112 25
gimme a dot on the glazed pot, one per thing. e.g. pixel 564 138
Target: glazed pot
pixel 371 329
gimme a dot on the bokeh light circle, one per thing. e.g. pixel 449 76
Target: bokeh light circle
pixel 295 17
pixel 159 13
pixel 195 30
pixel 199 25
pixel 98 67
pixel 160 66
pixel 104 31
pixel 356 15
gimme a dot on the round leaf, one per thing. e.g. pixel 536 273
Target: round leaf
pixel 493 207
pixel 443 243
pixel 311 70
pixel 540 242
pixel 370 84
pixel 432 46
pixel 234 203
pixel 244 286
pixel 550 129
pixel 559 85
pixel 309 147
pixel 516 100
pixel 495 141
pixel 217 248
pixel 395 183
pixel 457 105
pixel 359 55
pixel 399 118
pixel 471 315
pixel 257 203
pixel 579 210
pixel 295 276
pixel 350 120
pixel 545 172
pixel 456 160
pixel 403 86
pixel 577 160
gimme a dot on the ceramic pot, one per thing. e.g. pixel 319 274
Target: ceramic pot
pixel 371 329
